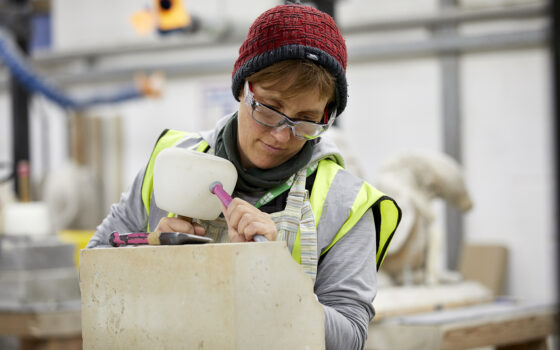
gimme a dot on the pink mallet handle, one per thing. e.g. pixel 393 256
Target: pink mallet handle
pixel 219 191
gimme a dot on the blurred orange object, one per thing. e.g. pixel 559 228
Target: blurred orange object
pixel 143 21
pixel 150 85
pixel 171 15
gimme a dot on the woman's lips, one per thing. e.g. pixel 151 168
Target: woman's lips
pixel 271 148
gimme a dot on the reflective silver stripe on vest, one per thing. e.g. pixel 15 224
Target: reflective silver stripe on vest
pixel 342 194
pixel 156 213
pixel 190 142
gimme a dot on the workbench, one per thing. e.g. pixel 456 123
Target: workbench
pixel 505 324
pixel 39 293
pixel 59 330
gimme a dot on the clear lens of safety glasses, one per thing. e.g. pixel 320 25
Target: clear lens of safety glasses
pixel 268 116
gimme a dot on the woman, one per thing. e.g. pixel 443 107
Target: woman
pixel 291 84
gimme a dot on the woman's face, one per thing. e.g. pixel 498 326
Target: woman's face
pixel 263 147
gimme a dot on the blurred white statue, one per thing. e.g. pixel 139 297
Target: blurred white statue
pixel 72 193
pixel 414 180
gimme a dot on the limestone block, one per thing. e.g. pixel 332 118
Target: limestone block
pixel 213 296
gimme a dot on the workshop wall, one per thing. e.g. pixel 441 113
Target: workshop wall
pixel 394 106
pixel 508 162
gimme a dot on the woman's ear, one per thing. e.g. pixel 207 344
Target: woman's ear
pixel 331 106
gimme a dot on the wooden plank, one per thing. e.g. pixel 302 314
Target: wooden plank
pixel 400 301
pixel 44 324
pixel 486 264
pixel 67 343
pixel 499 332
pixel 502 324
pixel 539 344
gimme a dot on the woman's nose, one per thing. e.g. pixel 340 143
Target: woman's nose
pixel 282 133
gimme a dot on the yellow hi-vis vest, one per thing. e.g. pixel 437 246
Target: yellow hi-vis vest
pixel 386 212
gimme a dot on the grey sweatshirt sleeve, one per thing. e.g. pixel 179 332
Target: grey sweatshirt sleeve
pixel 346 286
pixel 129 215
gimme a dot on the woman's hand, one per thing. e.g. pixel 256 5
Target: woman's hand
pixel 245 221
pixel 180 224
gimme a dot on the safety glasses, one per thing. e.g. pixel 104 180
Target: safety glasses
pixel 269 117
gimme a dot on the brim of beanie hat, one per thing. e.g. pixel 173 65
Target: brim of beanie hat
pixel 294 51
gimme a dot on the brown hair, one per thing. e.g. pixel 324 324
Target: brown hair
pixel 291 77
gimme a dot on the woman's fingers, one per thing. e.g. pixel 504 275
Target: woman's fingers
pixel 245 220
pixel 235 210
pixel 199 230
pixel 179 225
pixel 260 228
pixel 233 235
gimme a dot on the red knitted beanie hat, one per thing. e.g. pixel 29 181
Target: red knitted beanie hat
pixel 293 32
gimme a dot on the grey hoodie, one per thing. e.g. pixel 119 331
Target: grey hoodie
pixel 346 275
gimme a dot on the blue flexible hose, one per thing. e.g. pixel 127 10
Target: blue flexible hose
pixel 15 60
